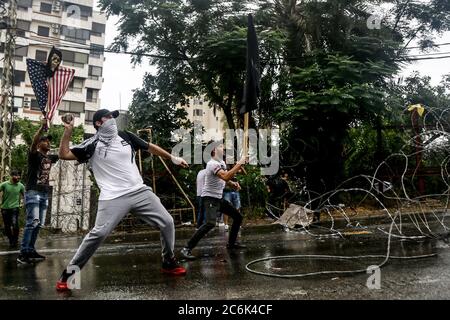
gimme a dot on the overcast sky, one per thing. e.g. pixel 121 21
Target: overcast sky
pixel 120 78
pixel 433 68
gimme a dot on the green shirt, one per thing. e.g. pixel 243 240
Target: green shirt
pixel 11 194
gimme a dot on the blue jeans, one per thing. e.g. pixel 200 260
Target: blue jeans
pixel 36 204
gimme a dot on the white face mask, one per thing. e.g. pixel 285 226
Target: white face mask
pixel 107 132
pixel 108 129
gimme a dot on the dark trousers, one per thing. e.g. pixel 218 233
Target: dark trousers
pixel 212 207
pixel 200 212
pixel 11 222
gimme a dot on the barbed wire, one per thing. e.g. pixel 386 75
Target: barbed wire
pixel 412 216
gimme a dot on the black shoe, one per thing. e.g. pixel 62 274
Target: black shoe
pixel 24 258
pixel 171 267
pixel 187 254
pixel 34 256
pixel 61 285
pixel 236 245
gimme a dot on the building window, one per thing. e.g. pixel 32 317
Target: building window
pixel 75 59
pixel 198 101
pixel 198 112
pixel 92 95
pixel 34 105
pixel 89 117
pixel 85 12
pixel 73 107
pixel 19 77
pixel 18 102
pixel 43 31
pixel 95 72
pixel 96 50
pixel 76 85
pixel 24 4
pixel 75 35
pixel 41 55
pixel 98 29
pixel 46 7
pixel 20 52
pixel 22 27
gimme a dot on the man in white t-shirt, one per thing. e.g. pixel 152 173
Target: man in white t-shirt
pixel 111 155
pixel 216 178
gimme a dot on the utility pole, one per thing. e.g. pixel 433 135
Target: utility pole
pixel 7 87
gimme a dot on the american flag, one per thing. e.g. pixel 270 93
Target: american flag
pixel 49 91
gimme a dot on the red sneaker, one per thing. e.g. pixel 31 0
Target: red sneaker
pixel 172 267
pixel 61 286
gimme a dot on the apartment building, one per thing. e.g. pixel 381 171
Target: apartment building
pixel 78 30
pixel 202 115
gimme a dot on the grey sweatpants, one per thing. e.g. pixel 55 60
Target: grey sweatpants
pixel 143 203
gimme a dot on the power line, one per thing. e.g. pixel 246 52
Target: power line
pixel 426 58
pixel 100 49
pixel 416 57
pixel 428 54
pixel 434 45
pixel 411 57
pixel 97 48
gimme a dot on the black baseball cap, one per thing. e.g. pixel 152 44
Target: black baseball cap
pixel 104 113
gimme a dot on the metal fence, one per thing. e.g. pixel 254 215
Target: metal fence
pixel 69 205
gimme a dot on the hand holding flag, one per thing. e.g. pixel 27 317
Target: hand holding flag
pixel 49 85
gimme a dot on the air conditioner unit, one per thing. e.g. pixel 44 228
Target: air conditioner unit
pixel 55 28
pixel 26 104
pixel 27 99
pixel 56 7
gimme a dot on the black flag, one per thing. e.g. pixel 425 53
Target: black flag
pixel 252 89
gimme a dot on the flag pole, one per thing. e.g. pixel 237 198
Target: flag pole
pixel 246 122
pixel 252 87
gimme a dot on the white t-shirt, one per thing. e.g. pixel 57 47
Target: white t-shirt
pixel 213 186
pixel 200 181
pixel 115 170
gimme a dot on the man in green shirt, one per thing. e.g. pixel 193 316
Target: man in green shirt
pixel 11 191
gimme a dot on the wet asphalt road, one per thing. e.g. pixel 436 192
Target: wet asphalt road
pixel 128 267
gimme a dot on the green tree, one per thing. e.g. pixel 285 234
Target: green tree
pixel 199 48
pixel 148 110
pixel 324 72
pixel 341 74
